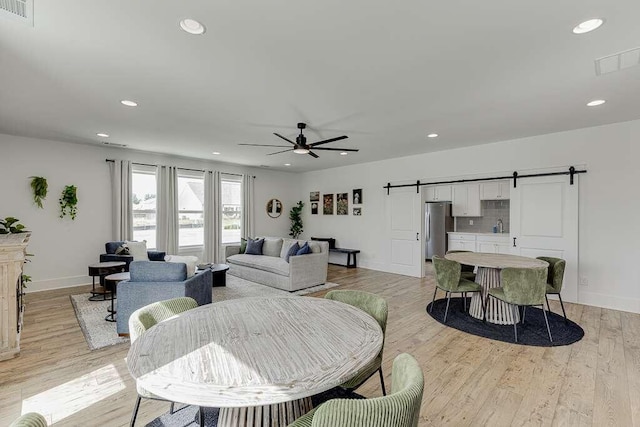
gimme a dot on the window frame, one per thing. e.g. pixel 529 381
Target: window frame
pixel 145 170
pixel 183 173
pixel 224 177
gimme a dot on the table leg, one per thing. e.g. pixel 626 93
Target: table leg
pixel 497 311
pixel 278 415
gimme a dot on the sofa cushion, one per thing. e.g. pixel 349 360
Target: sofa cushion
pixel 138 250
pixel 286 244
pixel 111 247
pixel 190 261
pixel 293 250
pixel 305 249
pixel 243 245
pixel 315 247
pixel 122 250
pixel 265 263
pixel 272 246
pixel 254 246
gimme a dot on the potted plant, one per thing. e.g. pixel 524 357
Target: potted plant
pixel 295 215
pixel 40 188
pixel 69 201
pixel 12 232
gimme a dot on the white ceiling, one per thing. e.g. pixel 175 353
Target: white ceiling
pixel 385 73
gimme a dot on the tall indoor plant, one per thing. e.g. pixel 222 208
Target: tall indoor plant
pixel 295 215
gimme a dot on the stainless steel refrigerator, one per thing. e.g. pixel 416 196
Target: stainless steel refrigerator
pixel 437 221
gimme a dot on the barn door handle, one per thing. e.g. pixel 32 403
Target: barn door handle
pixel 514 242
pixel 417 236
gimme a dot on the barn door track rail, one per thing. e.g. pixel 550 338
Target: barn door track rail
pixel 515 176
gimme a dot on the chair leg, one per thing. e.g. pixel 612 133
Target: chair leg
pixel 135 411
pixel 514 311
pixel 563 312
pixel 524 313
pixel 464 299
pixel 172 408
pixel 384 390
pixel 548 306
pixel 201 417
pixel 435 291
pixel 486 305
pixel 482 304
pixel 547 322
pixel 447 309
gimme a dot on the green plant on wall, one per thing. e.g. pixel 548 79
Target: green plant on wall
pixel 295 215
pixel 39 187
pixel 69 201
pixel 10 225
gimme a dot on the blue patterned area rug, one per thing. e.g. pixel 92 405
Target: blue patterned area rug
pixel 533 332
pixel 188 416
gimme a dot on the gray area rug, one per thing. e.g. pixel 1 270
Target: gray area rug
pixel 99 333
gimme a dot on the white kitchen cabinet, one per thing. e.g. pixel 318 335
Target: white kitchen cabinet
pixel 493 244
pixel 495 190
pixel 466 200
pixel 462 242
pixel 438 193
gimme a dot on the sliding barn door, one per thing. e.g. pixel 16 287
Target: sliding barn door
pixel 544 222
pixel 403 210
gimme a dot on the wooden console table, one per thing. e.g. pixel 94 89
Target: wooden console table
pixel 12 255
pixel 350 253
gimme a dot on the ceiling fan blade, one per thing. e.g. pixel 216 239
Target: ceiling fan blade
pixel 266 145
pixel 312 154
pixel 336 149
pixel 278 152
pixel 326 141
pixel 280 136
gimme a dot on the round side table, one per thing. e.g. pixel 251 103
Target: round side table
pixel 102 269
pixel 111 284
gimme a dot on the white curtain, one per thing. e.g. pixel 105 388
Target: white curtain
pixel 212 217
pixel 167 217
pixel 121 204
pixel 247 206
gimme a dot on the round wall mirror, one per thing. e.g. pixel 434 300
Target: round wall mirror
pixel 274 208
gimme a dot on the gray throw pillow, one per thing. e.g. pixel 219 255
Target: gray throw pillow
pixel 292 251
pixel 254 247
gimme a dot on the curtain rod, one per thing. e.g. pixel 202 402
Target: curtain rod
pixel 515 176
pixel 184 169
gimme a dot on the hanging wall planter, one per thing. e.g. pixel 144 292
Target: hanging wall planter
pixel 68 202
pixel 40 187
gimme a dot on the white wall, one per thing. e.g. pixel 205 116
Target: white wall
pixel 63 248
pixel 609 246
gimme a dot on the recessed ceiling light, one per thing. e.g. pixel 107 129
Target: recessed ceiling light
pixel 587 26
pixel 596 102
pixel 216 152
pixel 432 135
pixel 287 164
pixel 192 26
pixel 103 135
pixel 129 103
pixel 344 153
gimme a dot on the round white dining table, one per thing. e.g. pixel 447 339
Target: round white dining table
pixel 258 359
pixel 488 276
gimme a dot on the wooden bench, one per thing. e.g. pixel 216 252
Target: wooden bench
pixel 350 253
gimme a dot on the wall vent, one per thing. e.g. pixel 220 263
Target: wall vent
pixel 17 10
pixel 111 144
pixel 617 61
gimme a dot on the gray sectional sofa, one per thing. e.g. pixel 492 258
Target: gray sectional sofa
pixel 271 268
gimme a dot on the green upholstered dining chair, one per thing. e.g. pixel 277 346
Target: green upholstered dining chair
pixel 449 279
pixel 555 277
pixel 377 307
pixel 146 317
pixel 399 409
pixel 468 271
pixel 521 287
pixel 31 419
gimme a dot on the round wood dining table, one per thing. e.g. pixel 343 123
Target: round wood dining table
pixel 258 359
pixel 488 276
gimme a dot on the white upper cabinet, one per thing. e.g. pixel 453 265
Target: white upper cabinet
pixel 466 200
pixel 495 190
pixel 438 193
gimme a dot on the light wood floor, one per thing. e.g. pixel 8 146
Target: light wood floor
pixel 468 380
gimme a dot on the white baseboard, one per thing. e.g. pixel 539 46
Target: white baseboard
pixel 613 302
pixel 59 283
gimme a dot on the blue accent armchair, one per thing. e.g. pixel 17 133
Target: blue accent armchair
pixel 158 281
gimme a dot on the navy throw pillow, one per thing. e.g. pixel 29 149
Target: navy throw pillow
pixel 305 249
pixel 293 250
pixel 254 246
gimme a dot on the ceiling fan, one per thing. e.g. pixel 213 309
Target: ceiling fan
pixel 301 146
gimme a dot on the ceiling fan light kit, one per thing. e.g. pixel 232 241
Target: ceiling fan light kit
pixel 300 146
